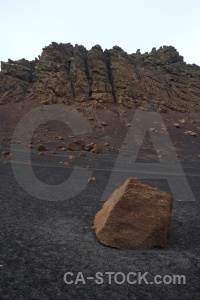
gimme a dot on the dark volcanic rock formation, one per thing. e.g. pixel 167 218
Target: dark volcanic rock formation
pixel 72 74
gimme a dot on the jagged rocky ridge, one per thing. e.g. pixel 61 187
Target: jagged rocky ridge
pixel 72 74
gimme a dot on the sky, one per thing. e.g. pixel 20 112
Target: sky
pixel 27 26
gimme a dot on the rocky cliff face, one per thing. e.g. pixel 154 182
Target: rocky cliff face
pixel 71 74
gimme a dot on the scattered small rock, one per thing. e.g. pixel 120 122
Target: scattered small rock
pixel 176 125
pixel 40 153
pixel 76 145
pixel 29 161
pixel 153 129
pixel 88 147
pixel 53 152
pixel 189 132
pixel 41 148
pixel 82 155
pixel 5 153
pixel 96 149
pixel 5 139
pixel 60 146
pixel 92 179
pixel 30 146
pixel 126 155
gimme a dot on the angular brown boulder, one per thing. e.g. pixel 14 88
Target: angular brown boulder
pixel 136 216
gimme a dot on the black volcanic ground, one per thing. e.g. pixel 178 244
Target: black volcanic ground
pixel 41 240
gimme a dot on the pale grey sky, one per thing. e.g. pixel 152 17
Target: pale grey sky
pixel 28 26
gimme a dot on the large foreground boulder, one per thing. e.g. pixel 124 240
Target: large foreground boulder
pixel 136 216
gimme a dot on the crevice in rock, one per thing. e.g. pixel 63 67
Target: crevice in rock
pixel 70 80
pixel 89 79
pixel 169 95
pixel 137 63
pixel 109 70
pixel 137 72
